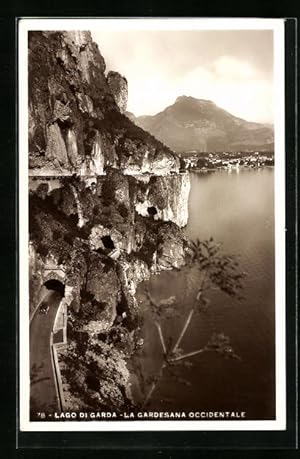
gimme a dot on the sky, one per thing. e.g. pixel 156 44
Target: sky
pixel 232 68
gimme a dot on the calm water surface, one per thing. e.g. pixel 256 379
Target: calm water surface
pixel 236 209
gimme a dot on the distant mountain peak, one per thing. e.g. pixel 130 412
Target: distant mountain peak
pixel 200 125
pixel 191 99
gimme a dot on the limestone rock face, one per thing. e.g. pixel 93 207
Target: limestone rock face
pixel 56 151
pixel 135 272
pixel 77 123
pixel 167 197
pixel 119 88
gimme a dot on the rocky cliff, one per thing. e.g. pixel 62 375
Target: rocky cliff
pixel 107 205
pixel 119 88
pixel 76 120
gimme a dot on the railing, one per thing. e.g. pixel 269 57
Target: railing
pixel 55 348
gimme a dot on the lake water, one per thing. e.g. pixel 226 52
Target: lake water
pixel 236 209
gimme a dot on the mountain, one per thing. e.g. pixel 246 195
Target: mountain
pixel 198 124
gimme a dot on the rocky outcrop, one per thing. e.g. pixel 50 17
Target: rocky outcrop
pixel 76 120
pixel 165 198
pixel 119 88
pixel 170 248
pixel 102 283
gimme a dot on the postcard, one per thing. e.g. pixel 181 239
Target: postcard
pixel 152 224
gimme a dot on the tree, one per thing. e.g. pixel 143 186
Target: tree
pixel 213 271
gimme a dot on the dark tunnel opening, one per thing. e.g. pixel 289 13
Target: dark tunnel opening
pixel 56 285
pixel 152 210
pixel 108 242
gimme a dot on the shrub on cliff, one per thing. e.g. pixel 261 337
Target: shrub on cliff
pixel 49 232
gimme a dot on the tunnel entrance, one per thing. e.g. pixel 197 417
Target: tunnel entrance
pixel 152 210
pixel 54 284
pixel 108 242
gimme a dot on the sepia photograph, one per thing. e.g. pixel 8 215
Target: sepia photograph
pixel 152 258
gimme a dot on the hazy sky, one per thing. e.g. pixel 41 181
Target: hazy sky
pixel 232 68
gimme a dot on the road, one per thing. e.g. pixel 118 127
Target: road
pixel 43 396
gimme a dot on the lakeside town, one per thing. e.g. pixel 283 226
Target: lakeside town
pixel 225 160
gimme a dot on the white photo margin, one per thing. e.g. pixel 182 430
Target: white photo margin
pixel 277 26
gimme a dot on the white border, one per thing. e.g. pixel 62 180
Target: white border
pixel 277 26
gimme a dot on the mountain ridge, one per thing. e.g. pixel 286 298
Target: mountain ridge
pixel 199 124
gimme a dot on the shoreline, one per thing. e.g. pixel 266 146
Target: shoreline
pixel 214 169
